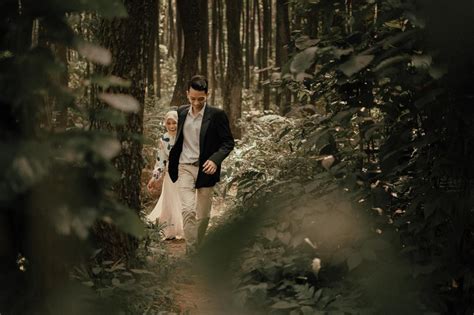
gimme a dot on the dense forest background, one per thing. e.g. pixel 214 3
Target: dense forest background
pixel 349 191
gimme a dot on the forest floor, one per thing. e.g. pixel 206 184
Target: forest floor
pixel 190 292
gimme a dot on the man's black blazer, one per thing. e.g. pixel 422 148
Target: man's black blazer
pixel 215 143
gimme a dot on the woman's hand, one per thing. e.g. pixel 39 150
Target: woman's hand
pixel 152 184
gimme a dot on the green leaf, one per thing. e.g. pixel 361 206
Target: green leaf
pixel 96 270
pixel 107 81
pixel 437 72
pixel 269 234
pixel 303 60
pixel 338 52
pixel 297 240
pixel 345 115
pixel 123 102
pixel 305 41
pixel 115 118
pixel 141 271
pixel 354 261
pixel 421 61
pixel 318 295
pixel 107 262
pixel 355 64
pixel 284 305
pixel 94 53
pixel 108 148
pixel 284 237
pixel 391 61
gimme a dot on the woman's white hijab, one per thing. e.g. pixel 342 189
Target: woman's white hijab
pixel 172 114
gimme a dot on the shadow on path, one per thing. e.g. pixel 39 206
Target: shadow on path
pixel 191 293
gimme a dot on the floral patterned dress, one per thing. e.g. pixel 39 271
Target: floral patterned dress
pixel 168 208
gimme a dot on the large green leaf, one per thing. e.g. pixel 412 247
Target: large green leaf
pixel 107 81
pixel 356 64
pixel 94 53
pixel 303 60
pixel 123 102
pixel 421 61
pixel 284 305
pixel 354 260
pixel 305 41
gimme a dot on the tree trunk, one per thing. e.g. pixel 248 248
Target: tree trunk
pixel 157 53
pixel 251 52
pixel 153 15
pixel 204 32
pixel 266 52
pixel 188 10
pixel 270 25
pixel 312 22
pixel 171 30
pixel 297 16
pixel 281 52
pixel 233 82
pixel 179 36
pixel 221 41
pixel 247 32
pixel 213 79
pixel 259 38
pixel 128 40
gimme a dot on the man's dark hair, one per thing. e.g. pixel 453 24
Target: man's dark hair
pixel 198 83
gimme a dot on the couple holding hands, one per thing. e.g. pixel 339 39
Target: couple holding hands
pixel 190 154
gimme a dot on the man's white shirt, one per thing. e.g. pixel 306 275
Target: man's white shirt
pixel 191 133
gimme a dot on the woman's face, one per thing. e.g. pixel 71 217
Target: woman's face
pixel 171 125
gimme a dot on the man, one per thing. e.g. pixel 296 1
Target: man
pixel 203 141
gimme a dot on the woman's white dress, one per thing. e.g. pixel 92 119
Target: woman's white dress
pixel 168 208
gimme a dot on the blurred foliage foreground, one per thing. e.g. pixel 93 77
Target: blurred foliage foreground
pixel 56 180
pixel 367 207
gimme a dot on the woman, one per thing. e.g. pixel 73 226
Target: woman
pixel 168 208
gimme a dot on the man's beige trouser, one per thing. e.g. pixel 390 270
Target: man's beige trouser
pixel 195 206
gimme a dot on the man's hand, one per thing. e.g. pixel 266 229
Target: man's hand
pixel 209 167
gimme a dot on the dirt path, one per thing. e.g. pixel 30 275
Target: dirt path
pixel 190 291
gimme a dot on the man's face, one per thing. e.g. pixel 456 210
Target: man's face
pixel 196 98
